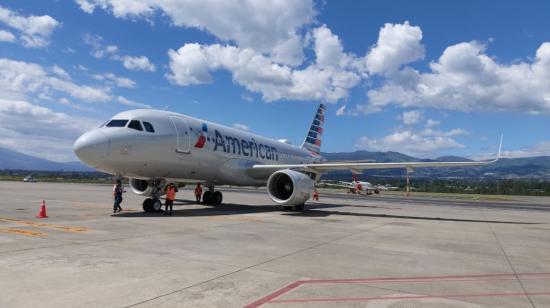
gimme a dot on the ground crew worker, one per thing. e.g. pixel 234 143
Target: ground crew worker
pixel 198 193
pixel 315 194
pixel 171 191
pixel 118 190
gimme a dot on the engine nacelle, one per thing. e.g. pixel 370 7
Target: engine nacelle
pixel 144 187
pixel 289 188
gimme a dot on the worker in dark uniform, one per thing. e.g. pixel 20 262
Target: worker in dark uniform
pixel 118 190
pixel 198 193
pixel 171 191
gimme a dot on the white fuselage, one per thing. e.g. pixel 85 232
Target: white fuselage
pixel 174 150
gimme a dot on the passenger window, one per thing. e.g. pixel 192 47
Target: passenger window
pixel 117 123
pixel 135 124
pixel 148 127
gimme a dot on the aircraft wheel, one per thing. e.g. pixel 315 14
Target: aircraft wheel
pixel 148 205
pixel 206 197
pixel 287 208
pixel 216 198
pixel 299 207
pixel 157 205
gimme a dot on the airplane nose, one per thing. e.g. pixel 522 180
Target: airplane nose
pixel 92 148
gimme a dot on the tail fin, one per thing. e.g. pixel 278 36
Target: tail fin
pixel 312 143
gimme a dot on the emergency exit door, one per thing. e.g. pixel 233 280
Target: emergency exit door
pixel 183 143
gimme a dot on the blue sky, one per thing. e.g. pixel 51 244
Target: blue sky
pixel 426 78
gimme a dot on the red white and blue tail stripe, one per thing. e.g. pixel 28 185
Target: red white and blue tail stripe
pixel 313 138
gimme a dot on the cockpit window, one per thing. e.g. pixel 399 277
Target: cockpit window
pixel 135 124
pixel 117 123
pixel 148 127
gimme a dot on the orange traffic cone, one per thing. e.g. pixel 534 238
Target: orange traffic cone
pixel 42 213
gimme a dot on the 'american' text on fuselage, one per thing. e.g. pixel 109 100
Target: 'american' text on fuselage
pixel 245 147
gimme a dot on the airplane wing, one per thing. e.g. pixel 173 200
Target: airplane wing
pixel 357 167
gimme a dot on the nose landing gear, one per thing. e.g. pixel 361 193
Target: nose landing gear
pixel 153 204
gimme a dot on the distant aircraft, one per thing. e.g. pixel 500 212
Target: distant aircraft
pixel 357 187
pixel 155 147
pixel 29 178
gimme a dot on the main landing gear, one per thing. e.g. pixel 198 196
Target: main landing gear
pixel 212 197
pixel 297 208
pixel 153 204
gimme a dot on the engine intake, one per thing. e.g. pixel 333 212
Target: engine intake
pixel 144 187
pixel 289 188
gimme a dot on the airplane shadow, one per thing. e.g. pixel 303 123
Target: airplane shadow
pixel 314 213
pixel 312 210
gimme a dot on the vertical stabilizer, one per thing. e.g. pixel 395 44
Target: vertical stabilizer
pixel 312 143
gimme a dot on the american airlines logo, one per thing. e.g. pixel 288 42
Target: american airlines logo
pixel 202 137
pixel 248 148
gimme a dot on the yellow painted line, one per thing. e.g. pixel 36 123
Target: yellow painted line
pixel 22 232
pixel 45 225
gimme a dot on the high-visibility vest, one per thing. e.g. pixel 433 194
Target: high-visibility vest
pixel 171 193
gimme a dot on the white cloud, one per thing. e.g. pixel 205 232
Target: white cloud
pixel 411 117
pixel 127 102
pixel 247 97
pixel 34 31
pixel 465 78
pixel 18 79
pixel 539 149
pixel 46 133
pixel 397 44
pixel 101 50
pixel 6 36
pixel 60 72
pixel 112 79
pixel 241 126
pixel 140 63
pixel 426 143
pixel 269 27
pixel 341 111
pixel 330 82
pixel 432 123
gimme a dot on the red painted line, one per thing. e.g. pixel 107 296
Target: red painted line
pixel 427 278
pixel 378 298
pixel 419 279
pixel 270 297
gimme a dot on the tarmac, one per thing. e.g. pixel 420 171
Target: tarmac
pixel 342 251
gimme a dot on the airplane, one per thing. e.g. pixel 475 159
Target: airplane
pixel 358 187
pixel 156 147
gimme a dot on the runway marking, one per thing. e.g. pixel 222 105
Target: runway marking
pixel 21 232
pixel 272 298
pixel 408 297
pixel 45 225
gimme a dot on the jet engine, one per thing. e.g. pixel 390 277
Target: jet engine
pixel 145 187
pixel 290 188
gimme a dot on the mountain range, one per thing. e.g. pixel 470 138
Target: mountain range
pixel 504 168
pixel 527 167
pixel 12 160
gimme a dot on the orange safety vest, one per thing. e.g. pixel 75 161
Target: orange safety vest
pixel 171 193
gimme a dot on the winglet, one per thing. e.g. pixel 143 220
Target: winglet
pixel 500 146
